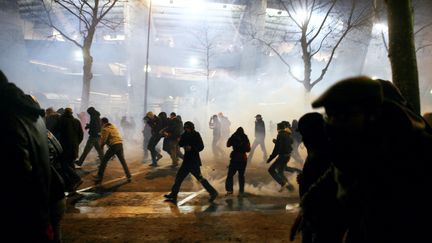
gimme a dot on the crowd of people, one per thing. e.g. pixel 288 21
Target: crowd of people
pixel 364 178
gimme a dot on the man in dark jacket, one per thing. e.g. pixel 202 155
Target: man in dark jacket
pixel 260 133
pixel 192 143
pixel 282 149
pixel 380 154
pixel 94 128
pixel 241 145
pixel 157 124
pixel 327 224
pixel 70 136
pixel 171 137
pixel 26 168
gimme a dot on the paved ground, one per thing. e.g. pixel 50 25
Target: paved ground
pixel 135 212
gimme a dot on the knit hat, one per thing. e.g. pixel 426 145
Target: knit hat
pixel 68 110
pixel 361 91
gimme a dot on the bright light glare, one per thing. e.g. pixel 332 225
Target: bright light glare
pixel 78 55
pixel 297 71
pixel 147 69
pixel 196 5
pixel 380 27
pixel 193 61
pixel 301 15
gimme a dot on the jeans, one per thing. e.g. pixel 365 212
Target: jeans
pixel 116 149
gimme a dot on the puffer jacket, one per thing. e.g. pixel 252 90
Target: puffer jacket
pixel 110 135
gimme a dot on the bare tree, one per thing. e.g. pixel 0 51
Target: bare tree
pixel 206 43
pixel 89 15
pixel 313 28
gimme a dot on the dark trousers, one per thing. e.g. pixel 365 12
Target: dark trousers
pixel 255 144
pixel 233 168
pixel 277 169
pixel 116 149
pixel 154 140
pixel 68 173
pixel 91 142
pixel 195 170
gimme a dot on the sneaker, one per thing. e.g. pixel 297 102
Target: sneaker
pixel 170 198
pixel 241 194
pixel 284 186
pixel 290 187
pixel 153 165
pixel 213 196
pixel 229 193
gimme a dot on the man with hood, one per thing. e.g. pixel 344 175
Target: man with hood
pixel 241 145
pixel 94 128
pixel 26 167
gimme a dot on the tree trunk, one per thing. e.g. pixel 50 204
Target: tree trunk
pixel 307 64
pixel 402 50
pixel 87 77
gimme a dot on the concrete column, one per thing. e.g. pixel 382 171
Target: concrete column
pixel 252 22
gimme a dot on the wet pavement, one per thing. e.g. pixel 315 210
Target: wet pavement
pixel 133 204
pixel 95 213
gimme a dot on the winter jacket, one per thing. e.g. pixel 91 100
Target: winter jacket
pixel 282 145
pixel 241 145
pixel 70 135
pixel 25 163
pixel 94 126
pixel 110 135
pixel 194 140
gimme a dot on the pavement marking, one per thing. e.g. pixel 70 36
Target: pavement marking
pixel 194 194
pixel 118 179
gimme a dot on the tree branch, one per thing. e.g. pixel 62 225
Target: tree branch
pixel 61 3
pixel 59 30
pixel 102 15
pixel 322 23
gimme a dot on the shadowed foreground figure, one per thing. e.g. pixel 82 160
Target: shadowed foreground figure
pixel 192 143
pixel 326 224
pixel 380 150
pixel 25 164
